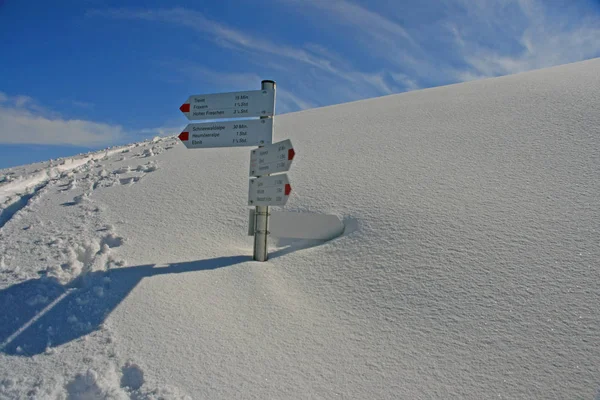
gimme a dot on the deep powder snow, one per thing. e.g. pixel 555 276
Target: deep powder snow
pixel 468 268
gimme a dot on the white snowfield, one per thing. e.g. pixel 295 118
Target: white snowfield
pixel 468 269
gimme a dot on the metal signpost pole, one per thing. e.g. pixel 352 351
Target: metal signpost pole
pixel 261 226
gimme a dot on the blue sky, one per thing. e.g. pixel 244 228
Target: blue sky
pixel 82 75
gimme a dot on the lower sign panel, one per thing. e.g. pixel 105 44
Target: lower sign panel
pixel 269 190
pixel 253 132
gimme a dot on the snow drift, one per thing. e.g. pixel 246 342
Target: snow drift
pixel 468 267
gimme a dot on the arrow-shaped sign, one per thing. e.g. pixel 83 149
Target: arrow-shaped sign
pixel 269 191
pixel 252 132
pixel 273 158
pixel 252 103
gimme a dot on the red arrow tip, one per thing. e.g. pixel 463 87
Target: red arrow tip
pixel 291 154
pixel 183 136
pixel 185 107
pixel 288 189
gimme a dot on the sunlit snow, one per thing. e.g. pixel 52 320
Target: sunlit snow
pixel 468 267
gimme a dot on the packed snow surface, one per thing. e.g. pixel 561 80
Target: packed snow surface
pixel 468 268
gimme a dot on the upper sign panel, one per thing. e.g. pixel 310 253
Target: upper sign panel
pixel 252 103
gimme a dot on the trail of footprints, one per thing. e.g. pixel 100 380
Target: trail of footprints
pixel 77 250
pixel 94 254
pixel 91 175
pixel 85 246
pixel 96 175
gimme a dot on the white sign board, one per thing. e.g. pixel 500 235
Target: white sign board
pixel 271 159
pixel 269 191
pixel 252 132
pixel 252 103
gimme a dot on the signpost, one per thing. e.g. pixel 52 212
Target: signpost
pixel 253 103
pixel 261 214
pixel 269 190
pixel 271 159
pixel 264 190
pixel 254 132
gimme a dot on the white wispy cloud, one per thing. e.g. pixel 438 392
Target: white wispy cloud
pixel 407 82
pixel 386 48
pixel 383 33
pixel 542 38
pixel 380 36
pixel 24 121
pixel 287 101
pixel 222 34
pixel 82 104
pixel 311 62
pixel 375 25
pixel 483 36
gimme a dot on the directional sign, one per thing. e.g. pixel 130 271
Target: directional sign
pixel 253 103
pixel 269 191
pixel 252 132
pixel 271 159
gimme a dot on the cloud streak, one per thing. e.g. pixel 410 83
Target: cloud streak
pixel 542 39
pixel 313 62
pixel 383 51
pixel 222 34
pixel 483 37
pixel 369 22
pixel 24 121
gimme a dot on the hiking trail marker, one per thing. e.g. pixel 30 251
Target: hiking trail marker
pixel 273 158
pixel 269 190
pixel 253 132
pixel 252 103
pixel 264 190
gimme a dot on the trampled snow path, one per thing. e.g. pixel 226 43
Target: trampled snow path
pixel 66 274
pixel 17 189
pixel 470 270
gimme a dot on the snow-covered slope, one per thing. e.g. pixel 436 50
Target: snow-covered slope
pixel 468 269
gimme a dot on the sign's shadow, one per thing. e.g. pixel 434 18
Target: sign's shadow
pixel 39 314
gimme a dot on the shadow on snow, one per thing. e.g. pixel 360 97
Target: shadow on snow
pixel 41 313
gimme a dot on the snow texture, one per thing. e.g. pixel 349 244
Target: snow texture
pixel 468 267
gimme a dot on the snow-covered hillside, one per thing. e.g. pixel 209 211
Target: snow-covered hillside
pixel 469 267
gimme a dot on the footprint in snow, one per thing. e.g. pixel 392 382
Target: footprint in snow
pixel 125 175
